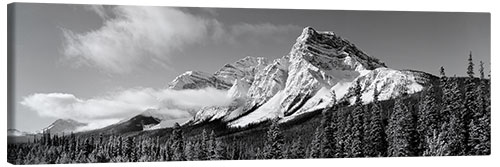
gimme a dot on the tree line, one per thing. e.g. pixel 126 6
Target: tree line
pixel 446 119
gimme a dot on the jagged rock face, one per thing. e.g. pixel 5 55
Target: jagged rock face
pixel 268 82
pixel 318 64
pixel 239 89
pixel 244 69
pixel 198 80
pixel 320 59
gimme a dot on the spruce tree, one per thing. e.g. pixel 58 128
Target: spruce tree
pixel 204 152
pixel 456 133
pixel 328 147
pixel 479 125
pixel 215 148
pixel 189 151
pixel 471 106
pixel 129 150
pixel 357 128
pixel 315 148
pixel 400 129
pixel 273 148
pixel 436 145
pixel 428 118
pixel 376 131
pixel 177 143
pixel 347 139
pixel 296 150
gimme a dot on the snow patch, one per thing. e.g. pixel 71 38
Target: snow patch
pixel 270 110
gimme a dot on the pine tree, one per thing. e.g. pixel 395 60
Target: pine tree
pixel 471 106
pixel 400 129
pixel 129 150
pixel 347 137
pixel 428 118
pixel 436 145
pixel 357 128
pixel 367 145
pixel 315 148
pixel 376 131
pixel 478 141
pixel 470 67
pixel 296 151
pixel 273 148
pixel 456 131
pixel 446 89
pixel 189 151
pixel 204 152
pixel 219 151
pixel 177 143
pixel 328 145
pixel 215 148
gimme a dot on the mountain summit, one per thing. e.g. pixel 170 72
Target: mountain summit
pixel 318 64
pixel 63 126
pixel 302 81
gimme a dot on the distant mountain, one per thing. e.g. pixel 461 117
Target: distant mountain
pixel 15 132
pixel 63 126
pixel 244 69
pixel 150 119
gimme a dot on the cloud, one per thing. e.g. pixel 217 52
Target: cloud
pixel 133 36
pixel 109 109
pixel 99 10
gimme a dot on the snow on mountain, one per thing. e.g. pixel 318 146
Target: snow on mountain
pixel 388 81
pixel 302 81
pixel 244 69
pixel 318 64
pixel 321 59
pixel 15 132
pixel 268 82
pixel 239 89
pixel 63 126
pixel 269 110
pixel 198 80
pixel 164 117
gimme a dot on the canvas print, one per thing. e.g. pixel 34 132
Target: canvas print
pixel 105 84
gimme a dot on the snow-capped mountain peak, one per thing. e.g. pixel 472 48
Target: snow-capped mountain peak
pixel 63 126
pixel 318 64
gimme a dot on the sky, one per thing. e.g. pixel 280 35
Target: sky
pixel 101 64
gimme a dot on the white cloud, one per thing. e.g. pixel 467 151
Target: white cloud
pixel 103 111
pixel 134 35
pixel 131 36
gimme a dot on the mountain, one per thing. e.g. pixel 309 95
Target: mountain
pixel 243 69
pixel 302 81
pixel 235 77
pixel 198 80
pixel 15 132
pixel 63 126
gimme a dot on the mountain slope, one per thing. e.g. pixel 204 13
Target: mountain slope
pixel 302 81
pixel 63 126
